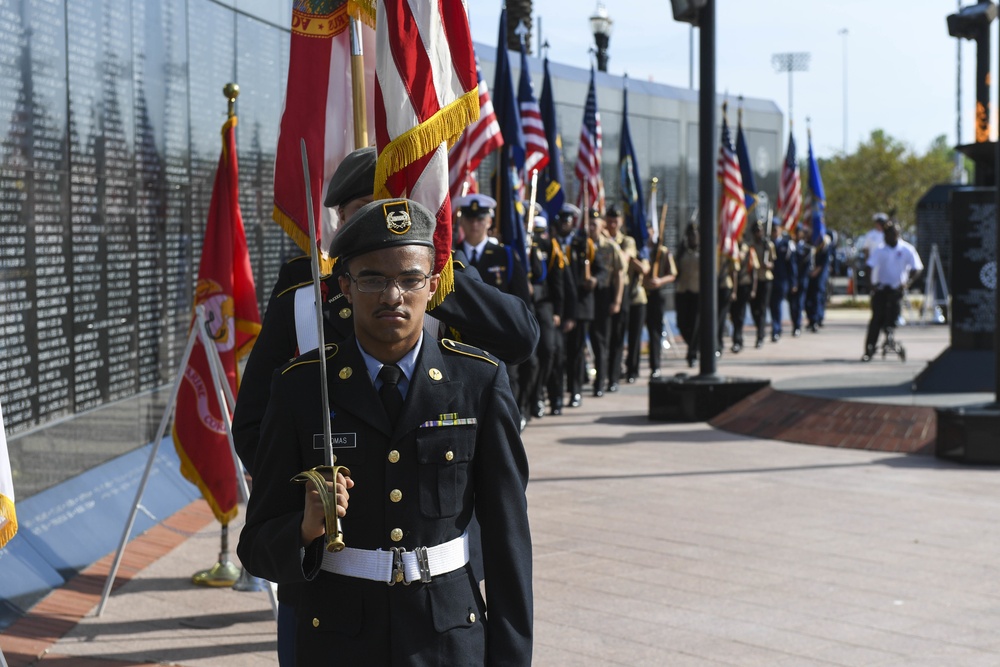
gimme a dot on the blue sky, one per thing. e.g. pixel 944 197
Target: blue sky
pixel 901 62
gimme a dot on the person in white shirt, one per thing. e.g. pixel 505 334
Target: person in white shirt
pixel 896 263
pixel 872 239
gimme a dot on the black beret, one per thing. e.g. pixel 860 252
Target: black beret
pixel 613 211
pixel 354 178
pixel 384 223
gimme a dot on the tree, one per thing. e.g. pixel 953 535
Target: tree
pixel 882 175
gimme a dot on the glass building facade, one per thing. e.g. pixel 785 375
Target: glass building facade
pixel 110 119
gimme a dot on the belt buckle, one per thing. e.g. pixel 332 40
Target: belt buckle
pixel 423 564
pixel 398 573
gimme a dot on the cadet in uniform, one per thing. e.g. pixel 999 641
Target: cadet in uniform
pixel 764 249
pixel 429 432
pixel 607 298
pixel 804 265
pixel 631 294
pixel 746 289
pixel 687 292
pixel 476 312
pixel 497 263
pixel 785 275
pixel 548 284
pixel 579 250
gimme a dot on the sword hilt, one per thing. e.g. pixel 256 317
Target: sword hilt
pixel 318 476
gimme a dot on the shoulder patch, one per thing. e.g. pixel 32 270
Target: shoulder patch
pixel 467 350
pixel 311 357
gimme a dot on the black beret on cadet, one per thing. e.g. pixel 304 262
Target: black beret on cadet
pixel 384 223
pixel 613 211
pixel 354 178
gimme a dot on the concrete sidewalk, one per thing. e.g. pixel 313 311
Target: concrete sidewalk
pixel 659 544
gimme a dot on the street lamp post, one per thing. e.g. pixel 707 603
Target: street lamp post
pixel 600 25
pixel 790 62
pixel 843 32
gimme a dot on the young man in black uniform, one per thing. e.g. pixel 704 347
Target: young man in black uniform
pixel 479 313
pixel 498 264
pixel 548 281
pixel 430 434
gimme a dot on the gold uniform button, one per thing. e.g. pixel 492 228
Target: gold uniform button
pixel 435 374
pixel 315 622
pixel 395 495
pixel 394 456
pixel 346 372
pixel 345 313
pixel 448 456
pixel 396 535
pixel 472 618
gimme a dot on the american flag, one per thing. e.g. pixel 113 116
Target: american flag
pixel 588 157
pixel 425 96
pixel 479 140
pixel 790 188
pixel 535 144
pixel 732 205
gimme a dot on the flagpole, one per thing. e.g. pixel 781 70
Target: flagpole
pixel 358 85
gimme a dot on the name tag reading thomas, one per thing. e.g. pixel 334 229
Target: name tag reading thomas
pixel 340 440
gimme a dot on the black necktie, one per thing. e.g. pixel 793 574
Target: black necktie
pixel 392 399
pixel 474 258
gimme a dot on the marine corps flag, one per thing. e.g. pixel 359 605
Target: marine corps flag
pixel 426 94
pixel 8 518
pixel 319 109
pixel 225 288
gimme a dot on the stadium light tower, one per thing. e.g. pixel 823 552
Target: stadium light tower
pixel 790 62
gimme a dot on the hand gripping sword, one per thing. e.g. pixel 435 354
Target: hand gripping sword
pixel 318 475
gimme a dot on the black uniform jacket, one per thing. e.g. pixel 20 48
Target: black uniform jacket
pixel 501 267
pixel 443 471
pixel 475 313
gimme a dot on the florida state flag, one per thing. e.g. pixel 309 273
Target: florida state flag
pixel 319 108
pixel 226 290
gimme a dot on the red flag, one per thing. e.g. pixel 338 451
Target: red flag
pixel 226 290
pixel 790 188
pixel 732 205
pixel 425 95
pixel 319 109
pixel 479 140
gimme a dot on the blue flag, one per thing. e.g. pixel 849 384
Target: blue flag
pixel 818 197
pixel 746 169
pixel 631 184
pixel 550 179
pixel 505 99
pixel 509 210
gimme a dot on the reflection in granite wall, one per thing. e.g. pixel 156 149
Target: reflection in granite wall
pixel 109 140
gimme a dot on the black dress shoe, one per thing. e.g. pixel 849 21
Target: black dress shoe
pixel 813 328
pixel 691 361
pixel 539 410
pixel 613 387
pixel 598 393
pixel 866 357
pixel 556 410
pixel 630 379
pixel 736 348
pixel 775 337
pixel 759 344
pixel 796 333
pixel 576 401
pixel 654 374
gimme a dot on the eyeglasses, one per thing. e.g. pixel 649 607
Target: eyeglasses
pixel 405 282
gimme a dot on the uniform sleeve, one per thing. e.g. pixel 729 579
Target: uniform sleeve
pixel 269 543
pixel 485 317
pixel 274 347
pixel 501 473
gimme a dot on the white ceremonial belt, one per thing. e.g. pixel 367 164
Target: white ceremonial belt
pixel 397 564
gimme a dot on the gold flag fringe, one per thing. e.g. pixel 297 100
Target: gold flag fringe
pixel 10 525
pixel 190 473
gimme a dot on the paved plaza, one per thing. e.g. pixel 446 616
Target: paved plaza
pixel 657 544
